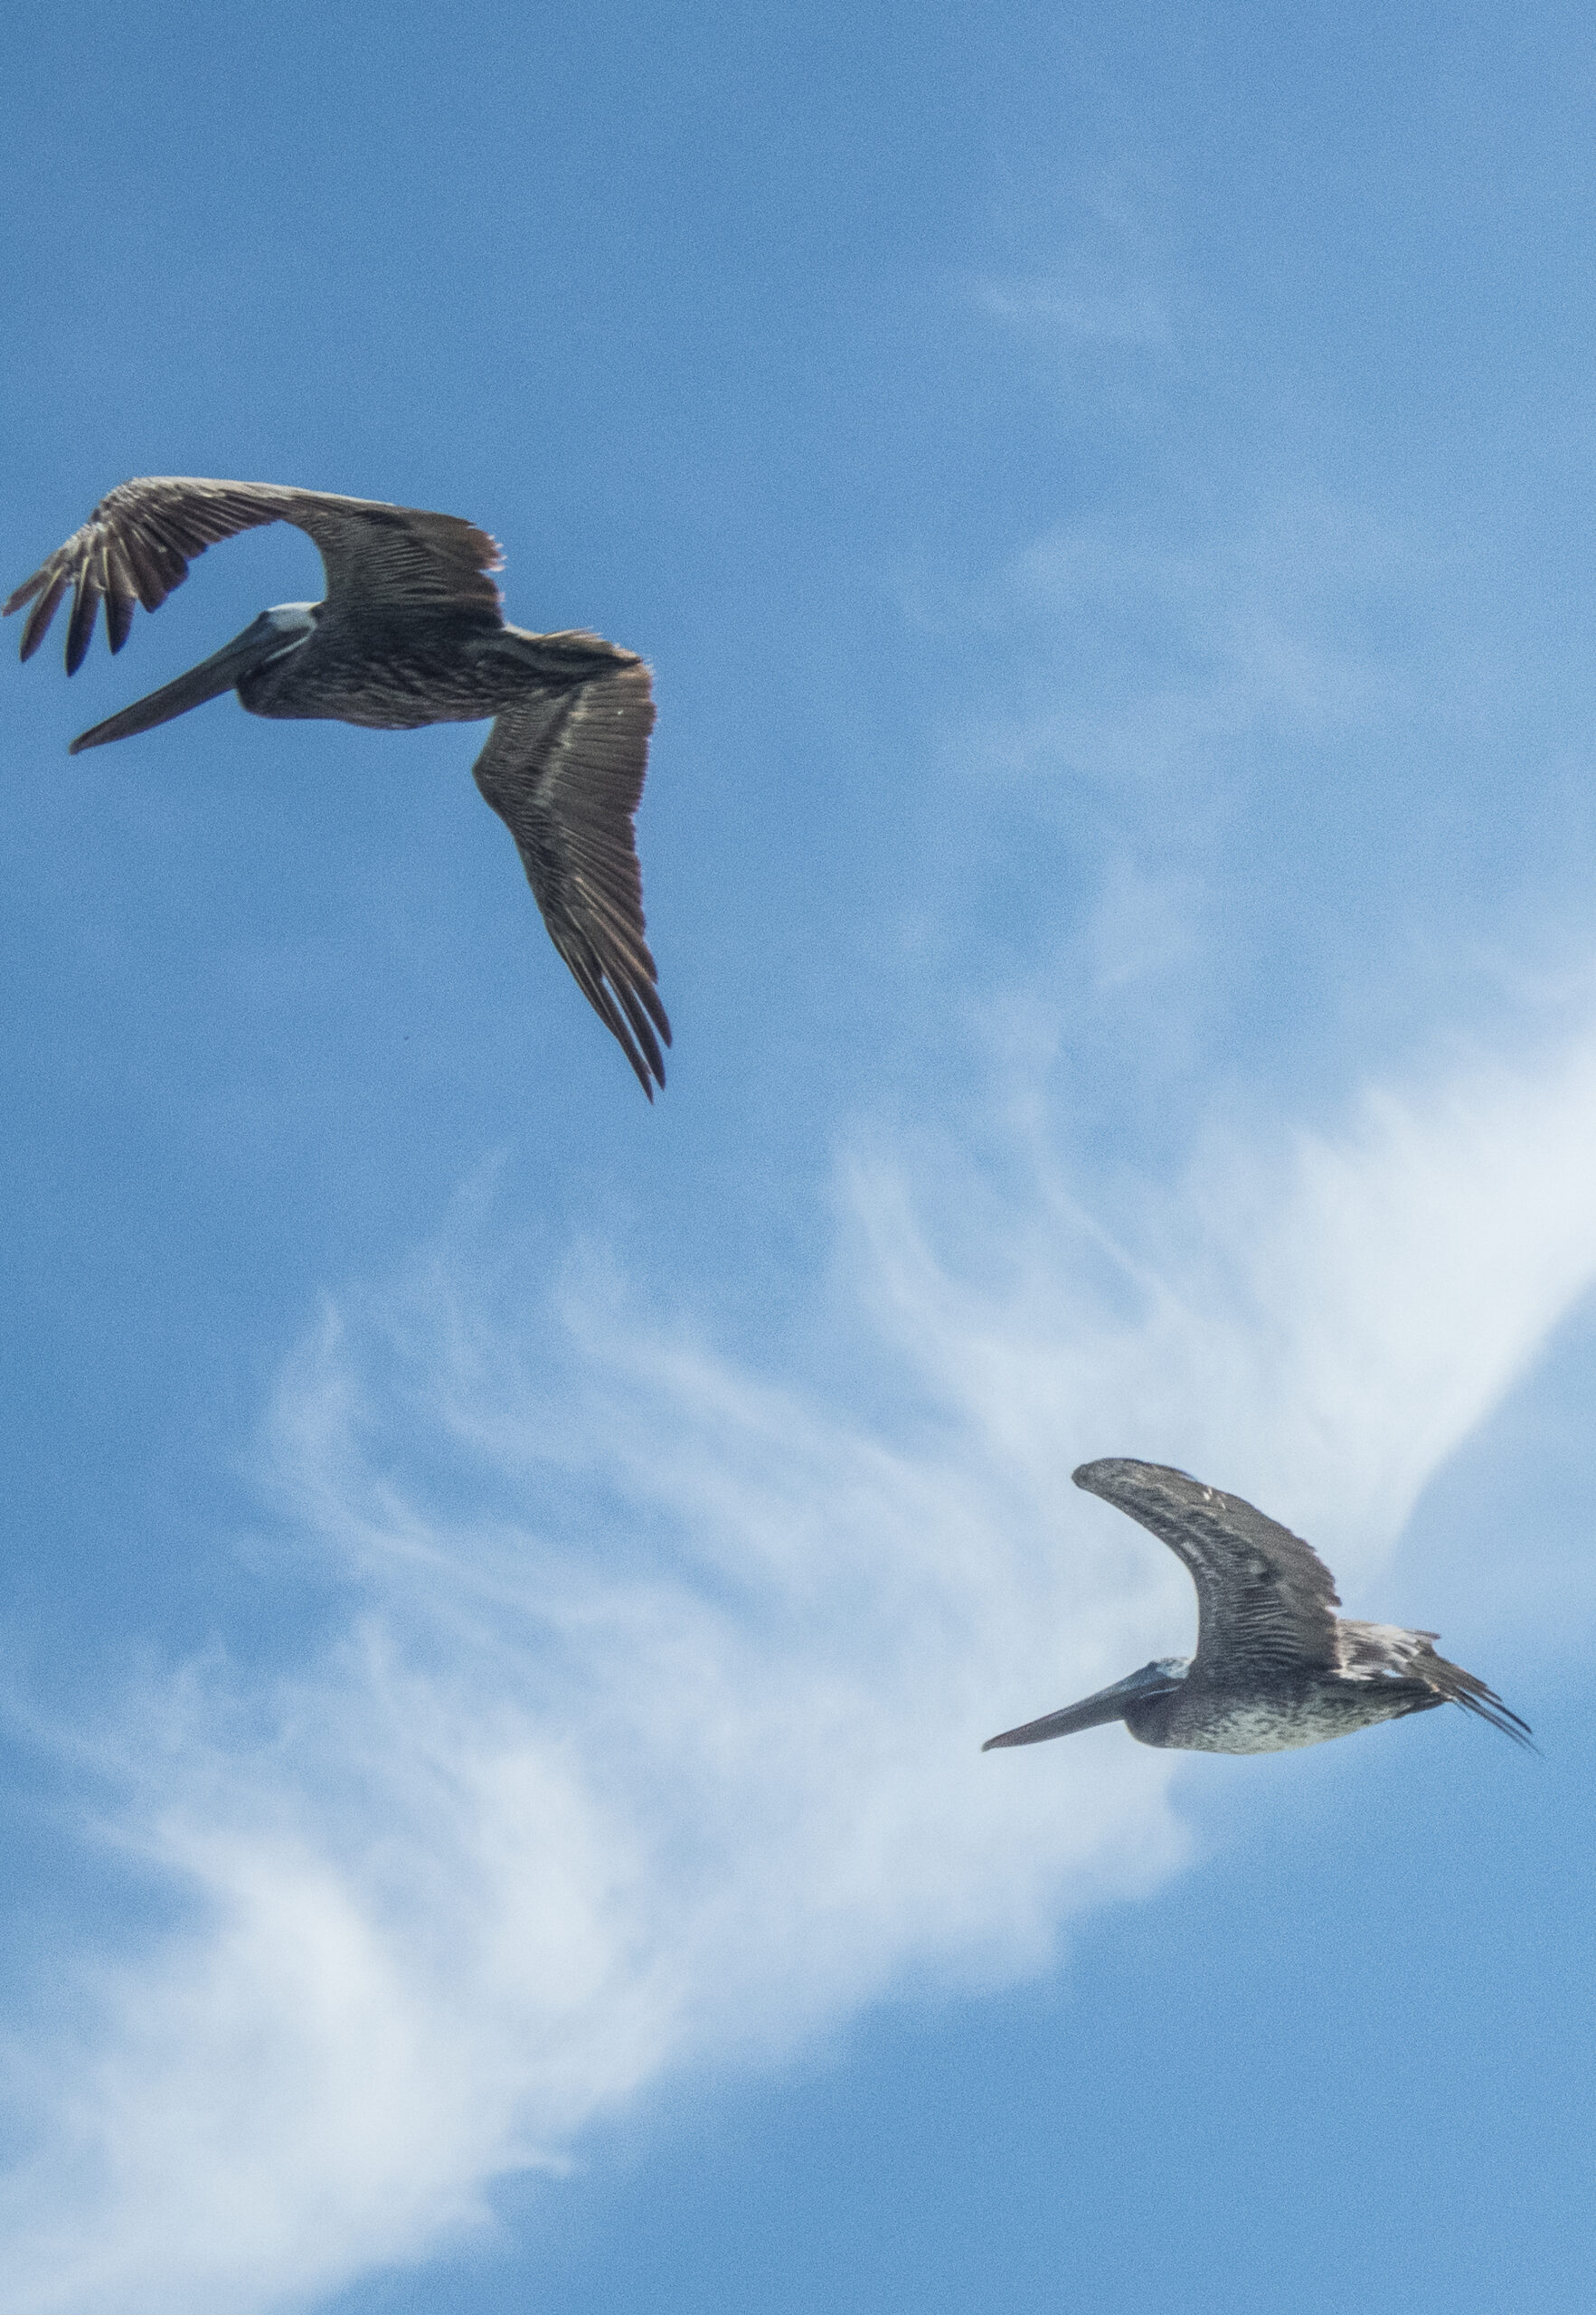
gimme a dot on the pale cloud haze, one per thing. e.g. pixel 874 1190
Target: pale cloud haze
pixel 651 1741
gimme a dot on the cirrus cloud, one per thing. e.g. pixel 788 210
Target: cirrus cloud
pixel 651 1742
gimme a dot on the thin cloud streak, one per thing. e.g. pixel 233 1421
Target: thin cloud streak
pixel 1168 662
pixel 1057 310
pixel 652 1744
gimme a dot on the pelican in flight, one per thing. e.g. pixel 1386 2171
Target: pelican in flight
pixel 1274 1666
pixel 411 632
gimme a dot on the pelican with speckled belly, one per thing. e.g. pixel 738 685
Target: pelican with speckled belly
pixel 411 631
pixel 1274 1667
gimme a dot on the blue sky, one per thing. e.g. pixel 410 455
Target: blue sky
pixel 508 1585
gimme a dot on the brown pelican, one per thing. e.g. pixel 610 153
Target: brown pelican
pixel 1274 1667
pixel 411 632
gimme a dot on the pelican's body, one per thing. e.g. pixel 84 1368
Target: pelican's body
pixel 1275 1668
pixel 410 632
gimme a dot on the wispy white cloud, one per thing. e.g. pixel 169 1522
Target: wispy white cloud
pixel 653 1742
pixel 1056 308
pixel 1167 662
pixel 1111 282
pixel 1259 796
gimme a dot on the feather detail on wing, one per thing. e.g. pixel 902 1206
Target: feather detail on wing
pixel 564 769
pixel 139 541
pixel 1264 1597
pixel 1382 1653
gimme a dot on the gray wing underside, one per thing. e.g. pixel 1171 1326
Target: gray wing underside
pixel 1387 1653
pixel 1263 1595
pixel 138 542
pixel 564 769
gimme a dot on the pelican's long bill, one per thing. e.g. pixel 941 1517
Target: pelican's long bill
pixel 1157 1679
pixel 265 639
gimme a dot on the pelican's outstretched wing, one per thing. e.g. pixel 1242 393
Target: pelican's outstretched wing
pixel 1383 1652
pixel 1264 1596
pixel 564 769
pixel 139 541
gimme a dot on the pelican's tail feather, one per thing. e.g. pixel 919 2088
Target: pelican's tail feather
pixel 1377 1653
